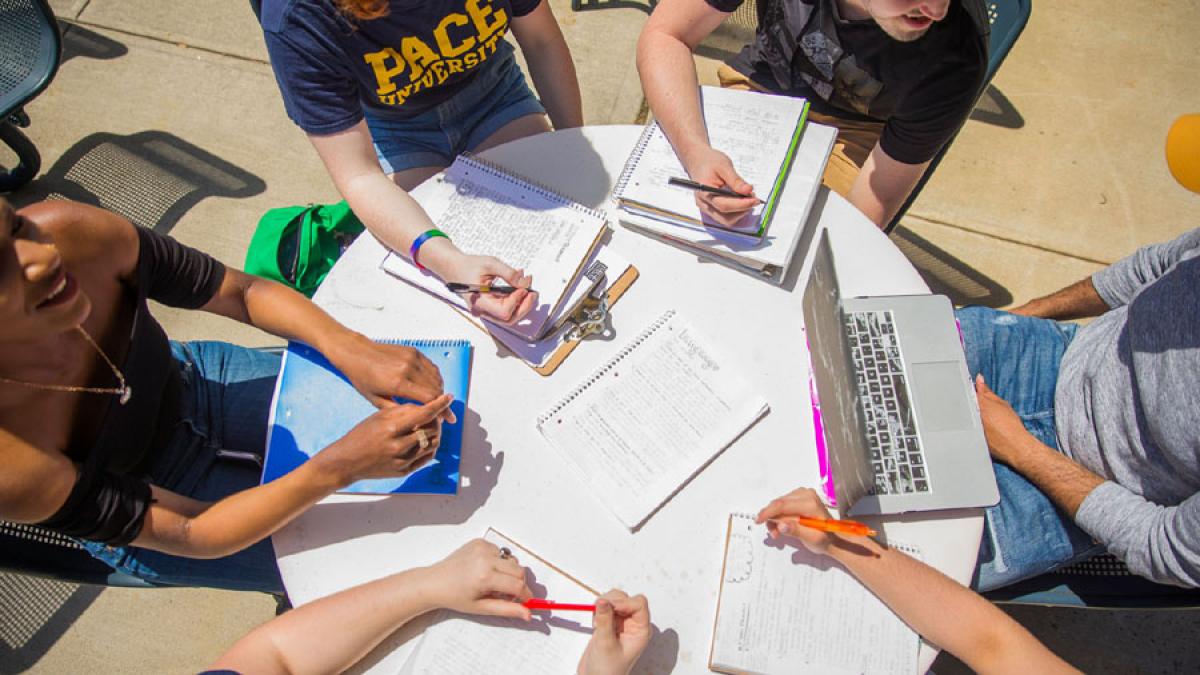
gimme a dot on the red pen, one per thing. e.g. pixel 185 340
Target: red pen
pixel 539 603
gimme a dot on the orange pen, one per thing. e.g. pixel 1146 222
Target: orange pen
pixel 839 526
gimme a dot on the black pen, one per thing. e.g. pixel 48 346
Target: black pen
pixel 693 185
pixel 456 287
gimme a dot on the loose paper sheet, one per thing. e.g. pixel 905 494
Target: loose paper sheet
pixel 784 609
pixel 457 644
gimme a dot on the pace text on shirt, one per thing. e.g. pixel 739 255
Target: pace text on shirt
pixel 459 42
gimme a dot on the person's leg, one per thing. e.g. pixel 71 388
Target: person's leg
pixel 496 108
pixel 1025 535
pixel 225 404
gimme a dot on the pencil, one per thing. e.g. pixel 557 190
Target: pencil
pixel 693 185
pixel 455 287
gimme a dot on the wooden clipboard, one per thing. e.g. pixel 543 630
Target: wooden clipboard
pixel 526 554
pixel 613 293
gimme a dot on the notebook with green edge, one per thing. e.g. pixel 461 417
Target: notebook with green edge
pixel 315 405
pixel 759 132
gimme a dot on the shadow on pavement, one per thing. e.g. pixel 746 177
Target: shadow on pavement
pixel 994 108
pixel 34 614
pixel 152 177
pixel 79 41
pixel 948 275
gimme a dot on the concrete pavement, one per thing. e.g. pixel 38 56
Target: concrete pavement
pixel 1061 173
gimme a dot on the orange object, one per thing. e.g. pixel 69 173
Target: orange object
pixel 840 526
pixel 1183 151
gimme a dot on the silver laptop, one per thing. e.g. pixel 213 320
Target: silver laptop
pixel 902 428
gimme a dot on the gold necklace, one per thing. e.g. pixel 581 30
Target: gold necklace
pixel 124 391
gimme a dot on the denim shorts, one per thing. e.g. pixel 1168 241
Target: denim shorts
pixel 496 96
pixel 225 404
pixel 1025 534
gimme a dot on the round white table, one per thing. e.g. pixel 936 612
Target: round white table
pixel 512 479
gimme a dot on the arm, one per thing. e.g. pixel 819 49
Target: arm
pixel 550 65
pixel 1161 543
pixel 1119 282
pixel 1077 301
pixel 331 634
pixel 668 74
pixel 1063 480
pixel 396 219
pixel 882 186
pixel 941 610
pixel 382 445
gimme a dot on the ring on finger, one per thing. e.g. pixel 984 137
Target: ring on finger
pixel 505 553
pixel 422 437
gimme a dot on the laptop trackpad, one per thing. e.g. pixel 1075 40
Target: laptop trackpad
pixel 939 391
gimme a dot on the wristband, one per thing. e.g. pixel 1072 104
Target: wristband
pixel 416 245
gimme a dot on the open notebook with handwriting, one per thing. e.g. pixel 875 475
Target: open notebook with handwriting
pixel 652 417
pixel 785 609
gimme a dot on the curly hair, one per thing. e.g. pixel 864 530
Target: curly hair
pixel 363 10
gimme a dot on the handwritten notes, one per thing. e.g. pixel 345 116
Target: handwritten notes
pixel 787 610
pixel 651 418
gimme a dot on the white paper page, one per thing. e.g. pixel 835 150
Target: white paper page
pixel 642 425
pixel 753 129
pixel 784 609
pixel 486 213
pixel 456 644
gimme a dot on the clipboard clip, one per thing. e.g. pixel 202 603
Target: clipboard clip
pixel 590 318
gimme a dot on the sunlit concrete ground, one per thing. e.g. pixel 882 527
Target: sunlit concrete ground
pixel 1058 173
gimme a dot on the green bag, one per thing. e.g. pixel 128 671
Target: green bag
pixel 298 245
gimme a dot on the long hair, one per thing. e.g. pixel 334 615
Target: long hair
pixel 363 10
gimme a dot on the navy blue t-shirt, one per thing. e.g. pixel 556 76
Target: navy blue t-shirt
pixel 330 66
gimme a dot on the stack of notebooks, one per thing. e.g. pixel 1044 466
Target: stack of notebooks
pixel 773 148
pixel 487 210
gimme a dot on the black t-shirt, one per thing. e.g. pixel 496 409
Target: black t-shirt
pixel 329 66
pixel 922 90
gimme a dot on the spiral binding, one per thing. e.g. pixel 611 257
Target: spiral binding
pixel 634 157
pixel 541 189
pixel 425 342
pixel 609 365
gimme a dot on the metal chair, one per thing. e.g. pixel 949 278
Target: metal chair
pixel 29 58
pixel 1007 19
pixel 35 551
pixel 1101 582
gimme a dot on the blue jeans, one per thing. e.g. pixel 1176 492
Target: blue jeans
pixel 1025 534
pixel 225 404
pixel 496 96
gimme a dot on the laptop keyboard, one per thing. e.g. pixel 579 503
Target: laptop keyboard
pixel 897 459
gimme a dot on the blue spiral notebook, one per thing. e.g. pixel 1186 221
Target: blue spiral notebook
pixel 316 405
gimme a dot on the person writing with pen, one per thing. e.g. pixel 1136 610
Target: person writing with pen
pixel 941 610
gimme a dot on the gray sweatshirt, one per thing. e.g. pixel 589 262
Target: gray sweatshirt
pixel 1127 407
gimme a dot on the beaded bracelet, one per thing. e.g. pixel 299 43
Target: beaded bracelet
pixel 416 245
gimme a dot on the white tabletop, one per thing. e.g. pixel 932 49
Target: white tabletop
pixel 513 481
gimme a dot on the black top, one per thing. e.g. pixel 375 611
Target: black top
pixel 107 502
pixel 922 90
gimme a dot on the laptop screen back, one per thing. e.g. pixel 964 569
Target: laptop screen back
pixel 833 373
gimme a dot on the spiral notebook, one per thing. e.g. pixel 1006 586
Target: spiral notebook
pixel 785 609
pixel 651 418
pixel 315 405
pixel 487 210
pixel 759 132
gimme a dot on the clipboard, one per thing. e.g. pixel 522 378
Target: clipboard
pixel 500 539
pixel 590 317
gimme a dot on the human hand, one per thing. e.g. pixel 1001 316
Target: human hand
pixel 481 269
pixel 387 443
pixel 382 372
pixel 620 632
pixel 713 167
pixel 475 579
pixel 1006 436
pixel 801 503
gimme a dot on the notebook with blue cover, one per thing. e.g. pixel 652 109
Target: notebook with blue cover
pixel 316 405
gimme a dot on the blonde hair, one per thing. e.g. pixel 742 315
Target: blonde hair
pixel 363 10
